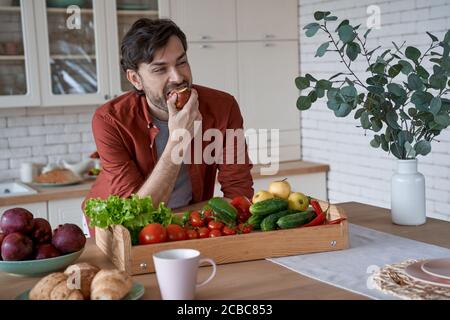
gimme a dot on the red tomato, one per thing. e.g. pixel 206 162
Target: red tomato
pixel 245 228
pixel 215 233
pixel 227 231
pixel 208 215
pixel 191 234
pixel 215 225
pixel 196 219
pixel 175 232
pixel 152 233
pixel 203 232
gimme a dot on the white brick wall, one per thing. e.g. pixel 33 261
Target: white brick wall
pixel 359 172
pixel 43 135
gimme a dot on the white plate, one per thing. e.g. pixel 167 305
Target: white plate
pixel 415 271
pixel 438 267
pixel 62 184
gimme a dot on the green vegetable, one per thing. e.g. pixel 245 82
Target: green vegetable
pixel 223 211
pixel 269 206
pixel 296 220
pixel 270 222
pixel 255 220
pixel 133 213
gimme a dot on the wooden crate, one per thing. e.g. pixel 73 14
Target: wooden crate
pixel 115 242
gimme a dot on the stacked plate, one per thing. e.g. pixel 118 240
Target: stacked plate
pixel 432 271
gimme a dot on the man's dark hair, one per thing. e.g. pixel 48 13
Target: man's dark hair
pixel 145 37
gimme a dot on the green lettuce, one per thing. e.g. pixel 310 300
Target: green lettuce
pixel 133 213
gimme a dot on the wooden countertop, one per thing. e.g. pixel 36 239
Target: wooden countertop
pixel 80 190
pixel 262 279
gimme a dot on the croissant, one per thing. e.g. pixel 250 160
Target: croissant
pixel 81 276
pixel 110 285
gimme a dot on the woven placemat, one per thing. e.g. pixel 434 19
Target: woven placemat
pixel 391 279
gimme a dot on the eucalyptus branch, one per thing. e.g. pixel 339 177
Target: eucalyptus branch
pixel 363 45
pixel 342 56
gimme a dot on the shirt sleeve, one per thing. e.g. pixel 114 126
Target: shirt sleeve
pixel 234 174
pixel 118 167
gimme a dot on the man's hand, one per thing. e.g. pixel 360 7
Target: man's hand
pixel 184 118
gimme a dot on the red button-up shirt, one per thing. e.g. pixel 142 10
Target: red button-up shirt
pixel 125 138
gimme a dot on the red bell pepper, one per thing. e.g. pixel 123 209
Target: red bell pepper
pixel 242 205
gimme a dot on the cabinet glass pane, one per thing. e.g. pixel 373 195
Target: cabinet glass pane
pixel 72 48
pixel 128 11
pixel 12 61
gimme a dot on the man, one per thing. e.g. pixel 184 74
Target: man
pixel 133 132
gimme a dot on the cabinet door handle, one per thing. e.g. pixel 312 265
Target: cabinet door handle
pixel 267 44
pixel 269 36
pixel 106 96
pixel 204 37
pixel 205 46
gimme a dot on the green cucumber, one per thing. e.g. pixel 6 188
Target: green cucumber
pixel 223 211
pixel 296 220
pixel 270 222
pixel 255 221
pixel 268 206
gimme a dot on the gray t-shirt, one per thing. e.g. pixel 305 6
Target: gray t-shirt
pixel 182 191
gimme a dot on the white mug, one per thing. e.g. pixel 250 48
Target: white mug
pixel 176 271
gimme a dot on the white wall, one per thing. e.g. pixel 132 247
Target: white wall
pixel 359 172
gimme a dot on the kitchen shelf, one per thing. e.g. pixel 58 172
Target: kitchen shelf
pixel 64 10
pixel 11 57
pixel 72 56
pixel 137 12
pixel 9 9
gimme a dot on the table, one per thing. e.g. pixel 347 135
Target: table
pixel 262 279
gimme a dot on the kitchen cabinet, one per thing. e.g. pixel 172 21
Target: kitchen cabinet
pixel 254 57
pixel 38 209
pixel 221 61
pixel 267 20
pixel 18 55
pixel 205 20
pixel 55 55
pixel 65 211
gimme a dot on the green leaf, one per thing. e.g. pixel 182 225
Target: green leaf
pixel 302 83
pixel 377 125
pixel 397 150
pixel 352 50
pixel 346 33
pixel 303 103
pixel 378 67
pixel 331 18
pixel 343 23
pixel 343 110
pixel 395 70
pixel 367 33
pixel 423 147
pixel 414 82
pixel 433 38
pixel 438 81
pixel 375 143
pixel 310 77
pixel 412 112
pixel 406 66
pixel 320 92
pixel 358 113
pixel 319 15
pixel 333 104
pixel 391 119
pixel 322 49
pixel 312 95
pixel 421 100
pixel 396 89
pixel 443 120
pixel 435 105
pixel 324 84
pixel 376 89
pixel 404 116
pixel 311 29
pixel 412 53
pixel 422 72
pixel 349 91
pixel 365 122
pixel 376 80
